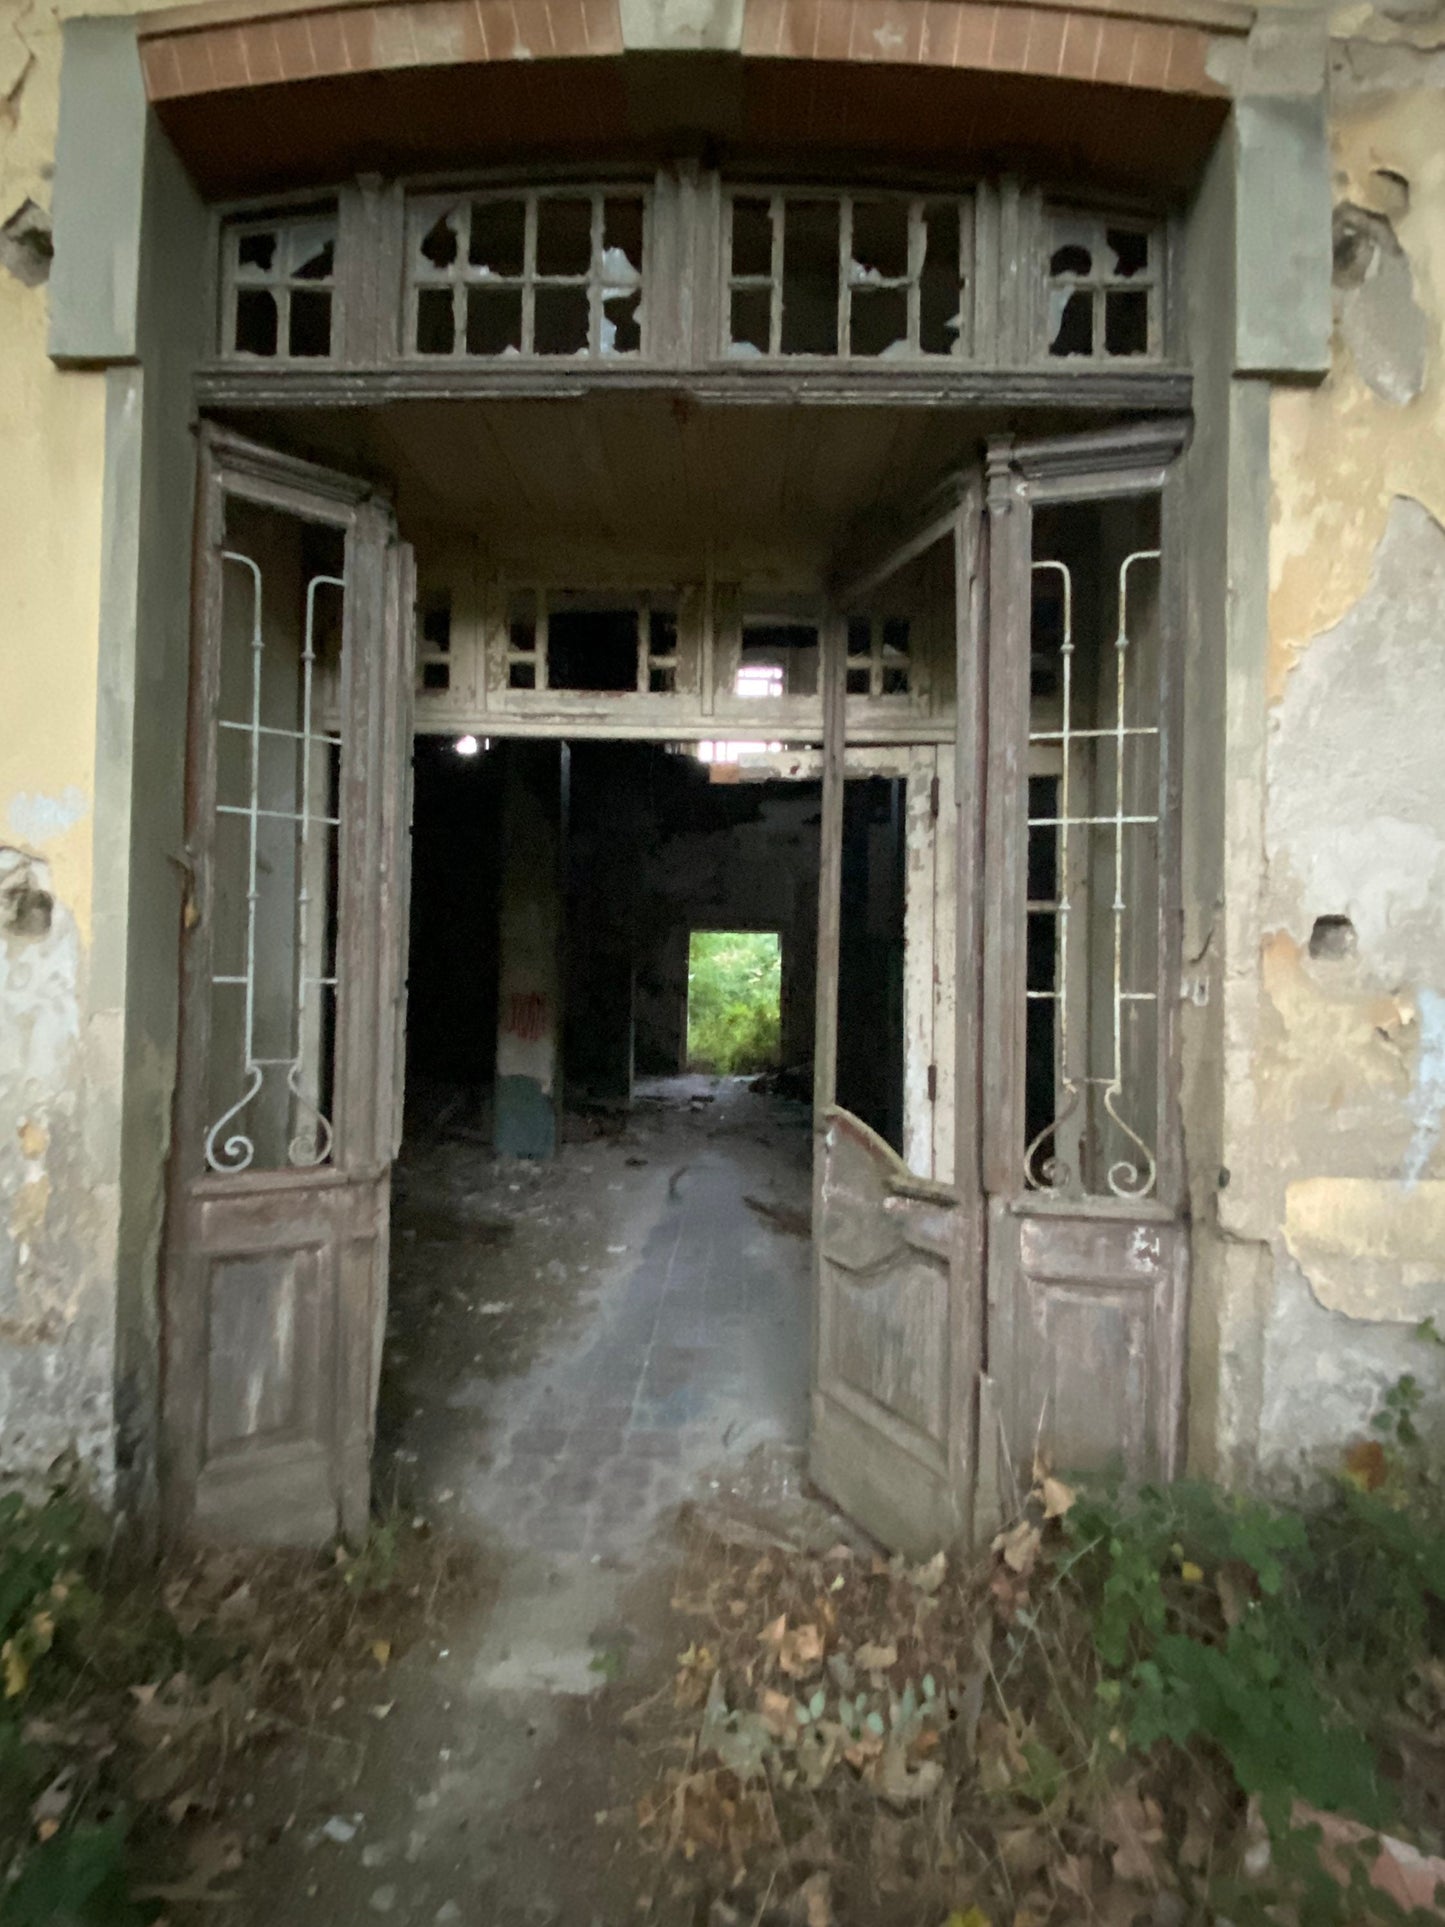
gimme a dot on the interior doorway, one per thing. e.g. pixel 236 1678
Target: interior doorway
pixel 734 1001
pixel 581 1333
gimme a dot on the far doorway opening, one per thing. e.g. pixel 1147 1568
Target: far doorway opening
pixel 734 1001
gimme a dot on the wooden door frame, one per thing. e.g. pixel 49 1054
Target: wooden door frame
pixel 1127 1256
pixel 231 466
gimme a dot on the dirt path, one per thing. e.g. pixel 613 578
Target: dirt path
pixel 576 1351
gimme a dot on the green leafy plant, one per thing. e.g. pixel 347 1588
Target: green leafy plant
pixel 734 990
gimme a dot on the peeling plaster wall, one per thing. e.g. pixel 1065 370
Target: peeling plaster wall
pixel 56 1220
pixel 1349 1055
pixel 78 496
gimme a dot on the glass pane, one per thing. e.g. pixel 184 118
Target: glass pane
pixel 560 321
pixel 311 249
pixel 940 291
pixel 1073 332
pixel 274 905
pixel 438 245
pixel 622 324
pixel 752 237
pixel 752 310
pixel 880 321
pixel 494 321
pixel 621 243
pixel 564 236
pixel 880 242
pixel 1126 322
pixel 309 332
pixel 435 322
pixel 810 278
pixel 498 238
pixel 257 321
pixel 257 250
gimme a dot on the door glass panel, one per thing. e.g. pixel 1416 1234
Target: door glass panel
pixel 273 896
pixel 1094 906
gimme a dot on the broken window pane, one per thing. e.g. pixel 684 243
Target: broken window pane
pixel 880 243
pixel 309 333
pixel 257 325
pixel 436 621
pixel 438 246
pixel 778 659
pixel 1130 248
pixel 810 278
pixel 621 243
pixel 752 238
pixel 880 321
pixel 311 250
pixel 1102 289
pixel 435 675
pixel 752 314
pixel 497 244
pixel 860 636
pixel 522 622
pixel 564 236
pixel 940 290
pixel 859 681
pixel 560 323
pixel 435 324
pixel 494 321
pixel 521 675
pixel 662 679
pixel 621 323
pixel 1126 322
pixel 1074 334
pixel 257 249
pixel 593 649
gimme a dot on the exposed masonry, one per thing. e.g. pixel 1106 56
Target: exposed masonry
pixel 1383 325
pixel 1353 1070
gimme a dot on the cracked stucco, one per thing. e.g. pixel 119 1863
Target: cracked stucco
pixel 1350 1056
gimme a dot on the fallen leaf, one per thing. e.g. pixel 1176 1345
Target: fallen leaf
pixel 817 1898
pixel 929 1576
pixel 1190 1573
pixel 1366 1466
pixel 876 1659
pixel 1019 1545
pixel 1058 1498
pixel 381 1651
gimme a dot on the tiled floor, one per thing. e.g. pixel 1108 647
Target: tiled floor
pixel 684 1351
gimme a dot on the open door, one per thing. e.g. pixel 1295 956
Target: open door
pixel 1087 1239
pixel 898 1251
pixel 287 1106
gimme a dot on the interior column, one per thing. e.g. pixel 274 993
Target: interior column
pixel 530 938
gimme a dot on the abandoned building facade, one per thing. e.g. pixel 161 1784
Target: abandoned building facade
pixel 493 487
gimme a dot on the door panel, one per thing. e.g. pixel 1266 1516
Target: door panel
pixel 884 1392
pixel 1087 1242
pixel 276 1244
pixel 898 1254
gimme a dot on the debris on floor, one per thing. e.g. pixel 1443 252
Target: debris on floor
pixel 853 1741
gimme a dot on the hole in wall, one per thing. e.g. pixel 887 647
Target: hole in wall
pixel 26 248
pixel 1333 937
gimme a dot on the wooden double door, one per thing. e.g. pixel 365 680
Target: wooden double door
pixel 1012 1282
pixel 1014 1286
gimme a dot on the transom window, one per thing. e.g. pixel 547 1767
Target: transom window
pixel 1104 286
pixel 693 273
pixel 279 276
pixel 590 640
pixel 876 275
pixel 542 273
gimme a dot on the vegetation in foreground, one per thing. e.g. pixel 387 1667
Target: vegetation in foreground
pixel 134 1700
pixel 1168 1707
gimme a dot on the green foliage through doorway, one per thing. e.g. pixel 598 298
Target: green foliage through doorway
pixel 734 994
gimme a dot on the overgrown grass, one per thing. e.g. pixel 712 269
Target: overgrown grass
pixel 734 988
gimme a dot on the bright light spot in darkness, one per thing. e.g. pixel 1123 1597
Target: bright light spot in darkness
pixel 467 746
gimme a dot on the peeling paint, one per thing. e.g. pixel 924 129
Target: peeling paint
pixel 36 818
pixel 1427 1093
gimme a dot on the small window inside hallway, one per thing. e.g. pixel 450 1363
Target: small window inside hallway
pixel 734 1001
